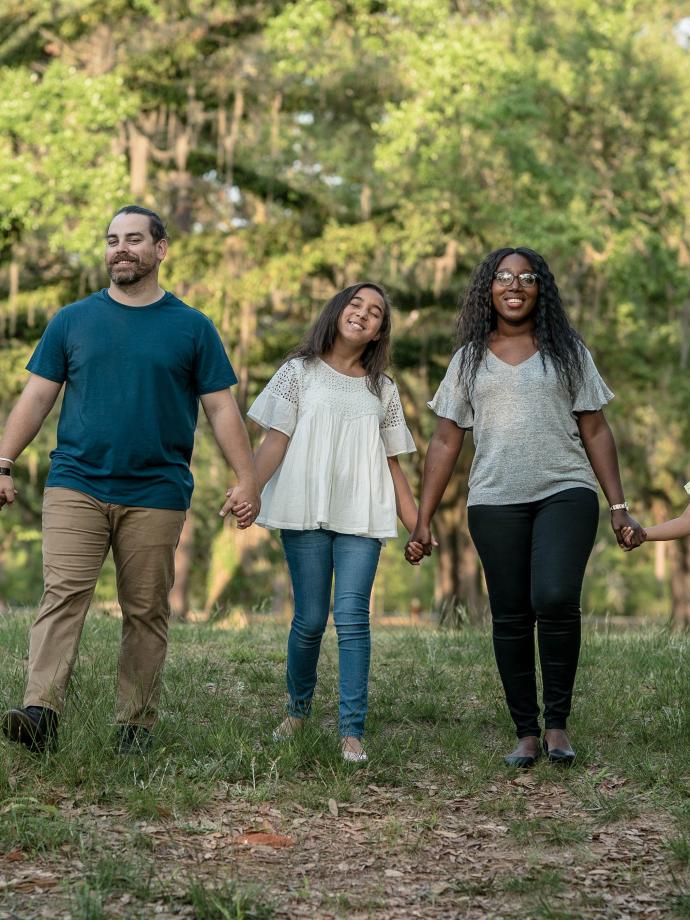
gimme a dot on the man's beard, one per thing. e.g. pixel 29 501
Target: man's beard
pixel 126 272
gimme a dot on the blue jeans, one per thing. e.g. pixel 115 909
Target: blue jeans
pixel 312 557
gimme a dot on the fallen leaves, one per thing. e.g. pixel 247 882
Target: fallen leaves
pixel 27 881
pixel 263 839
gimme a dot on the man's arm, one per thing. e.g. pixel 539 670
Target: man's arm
pixel 232 438
pixel 23 424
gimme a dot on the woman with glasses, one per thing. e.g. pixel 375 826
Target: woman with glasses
pixel 525 384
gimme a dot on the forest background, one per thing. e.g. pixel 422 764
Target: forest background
pixel 297 147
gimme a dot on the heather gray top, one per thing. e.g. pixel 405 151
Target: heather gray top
pixel 527 443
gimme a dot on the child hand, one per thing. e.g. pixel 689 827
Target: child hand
pixel 629 537
pixel 243 513
pixel 240 508
pixel 414 552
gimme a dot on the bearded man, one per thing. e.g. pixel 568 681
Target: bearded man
pixel 135 361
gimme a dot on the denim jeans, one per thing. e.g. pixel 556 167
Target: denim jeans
pixel 313 556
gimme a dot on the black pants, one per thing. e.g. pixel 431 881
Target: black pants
pixel 534 557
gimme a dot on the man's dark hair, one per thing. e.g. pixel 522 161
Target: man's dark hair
pixel 156 225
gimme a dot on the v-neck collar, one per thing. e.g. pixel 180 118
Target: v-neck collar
pixel 507 363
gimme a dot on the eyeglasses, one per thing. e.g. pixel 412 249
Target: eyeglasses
pixel 526 279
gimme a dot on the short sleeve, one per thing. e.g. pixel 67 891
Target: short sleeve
pixel 277 404
pixel 212 368
pixel 451 399
pixel 593 393
pixel 49 359
pixel 394 431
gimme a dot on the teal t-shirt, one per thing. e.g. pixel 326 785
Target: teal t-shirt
pixel 133 377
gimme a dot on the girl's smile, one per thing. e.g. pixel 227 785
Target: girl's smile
pixel 362 318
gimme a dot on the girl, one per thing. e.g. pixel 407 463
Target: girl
pixel 332 484
pixel 669 530
pixel 529 389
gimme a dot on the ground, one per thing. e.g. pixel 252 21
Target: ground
pixel 219 822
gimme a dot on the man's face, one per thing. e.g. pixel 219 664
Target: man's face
pixel 131 252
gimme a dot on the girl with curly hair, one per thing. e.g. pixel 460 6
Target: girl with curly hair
pixel 525 384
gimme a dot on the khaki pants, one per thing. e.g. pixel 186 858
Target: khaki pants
pixel 78 531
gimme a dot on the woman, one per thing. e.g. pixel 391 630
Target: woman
pixel 525 383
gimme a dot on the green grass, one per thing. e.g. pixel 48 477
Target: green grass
pixel 436 733
pixel 227 902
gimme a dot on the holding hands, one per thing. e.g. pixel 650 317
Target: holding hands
pixel 629 533
pixel 244 503
pixel 420 544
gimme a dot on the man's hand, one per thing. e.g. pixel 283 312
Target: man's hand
pixel 244 503
pixel 7 491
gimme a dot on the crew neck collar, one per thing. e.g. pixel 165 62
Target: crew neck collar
pixel 149 306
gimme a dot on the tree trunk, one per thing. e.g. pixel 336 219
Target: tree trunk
pixel 14 295
pixel 138 160
pixel 179 596
pixel 679 553
pixel 458 589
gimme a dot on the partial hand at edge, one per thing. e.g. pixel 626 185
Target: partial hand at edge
pixel 7 491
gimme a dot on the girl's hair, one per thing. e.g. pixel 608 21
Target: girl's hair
pixel 555 337
pixel 322 335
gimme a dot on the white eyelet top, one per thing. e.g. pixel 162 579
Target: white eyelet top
pixel 334 474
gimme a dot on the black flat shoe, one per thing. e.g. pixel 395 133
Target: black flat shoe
pixel 556 755
pixel 35 727
pixel 522 761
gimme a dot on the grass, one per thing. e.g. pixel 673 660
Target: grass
pixel 227 902
pixel 436 733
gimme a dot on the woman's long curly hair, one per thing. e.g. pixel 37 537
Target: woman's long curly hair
pixel 322 335
pixel 554 336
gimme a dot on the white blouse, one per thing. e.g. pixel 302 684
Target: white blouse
pixel 334 474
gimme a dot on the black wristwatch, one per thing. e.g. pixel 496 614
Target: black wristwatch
pixel 5 471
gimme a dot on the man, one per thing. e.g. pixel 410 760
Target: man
pixel 135 361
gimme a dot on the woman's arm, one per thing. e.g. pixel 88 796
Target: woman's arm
pixel 442 455
pixel 269 455
pixel 600 447
pixel 405 504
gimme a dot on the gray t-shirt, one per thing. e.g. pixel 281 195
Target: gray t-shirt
pixel 527 443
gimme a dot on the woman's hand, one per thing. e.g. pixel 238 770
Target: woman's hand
pixel 629 533
pixel 420 544
pixel 628 536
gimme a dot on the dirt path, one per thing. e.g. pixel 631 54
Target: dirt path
pixel 393 856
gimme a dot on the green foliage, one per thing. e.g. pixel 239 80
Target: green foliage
pixel 56 131
pixel 296 147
